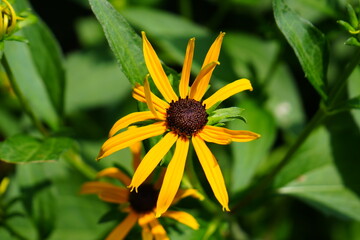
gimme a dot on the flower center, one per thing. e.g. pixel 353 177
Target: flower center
pixel 144 200
pixel 186 116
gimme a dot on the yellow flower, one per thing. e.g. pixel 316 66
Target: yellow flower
pixel 8 19
pixel 140 205
pixel 182 119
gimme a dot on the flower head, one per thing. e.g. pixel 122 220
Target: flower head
pixel 140 204
pixel 182 119
pixel 8 19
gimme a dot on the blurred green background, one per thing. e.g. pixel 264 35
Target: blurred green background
pixel 316 196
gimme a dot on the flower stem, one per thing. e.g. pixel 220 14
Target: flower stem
pixel 76 161
pixel 22 99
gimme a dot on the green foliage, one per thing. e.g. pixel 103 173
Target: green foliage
pixel 308 43
pixel 62 90
pixel 25 149
pixel 124 42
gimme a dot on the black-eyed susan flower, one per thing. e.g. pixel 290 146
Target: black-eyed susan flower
pixel 140 204
pixel 182 119
pixel 8 19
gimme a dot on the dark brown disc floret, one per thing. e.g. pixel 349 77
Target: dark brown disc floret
pixel 186 116
pixel 144 200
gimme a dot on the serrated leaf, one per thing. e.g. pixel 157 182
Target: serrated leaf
pixel 26 149
pixel 123 41
pixel 308 43
pixel 225 115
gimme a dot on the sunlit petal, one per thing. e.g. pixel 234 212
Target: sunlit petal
pixel 227 91
pixel 123 228
pixel 183 217
pixel 185 74
pixel 130 137
pixel 209 136
pixel 212 171
pixel 116 173
pixel 211 56
pixel 158 230
pixel 183 193
pixel 157 73
pixel 130 119
pixel 160 105
pixel 152 159
pixel 148 99
pixel 199 87
pixel 223 134
pixel 173 176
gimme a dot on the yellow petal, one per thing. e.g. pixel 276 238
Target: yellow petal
pixel 148 99
pixel 13 17
pixel 185 74
pixel 130 119
pixel 152 159
pixel 199 86
pixel 209 136
pixel 173 176
pixel 118 197
pixel 220 134
pixel 183 217
pixel 158 231
pixel 116 173
pixel 136 154
pixel 183 193
pixel 123 228
pixel 211 56
pixel 227 91
pixel 159 105
pixel 146 233
pixel 156 71
pixel 130 137
pixel 212 172
pixel 97 187
pixel 106 191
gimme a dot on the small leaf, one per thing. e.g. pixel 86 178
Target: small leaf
pixel 225 115
pixel 346 25
pixel 123 41
pixel 352 15
pixel 308 43
pixel 352 42
pixel 26 149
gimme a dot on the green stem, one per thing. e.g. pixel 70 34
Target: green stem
pixel 340 84
pixel 73 158
pixel 22 99
pixel 192 179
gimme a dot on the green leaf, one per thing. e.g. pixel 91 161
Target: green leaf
pixel 353 103
pixel 323 172
pixel 85 72
pixel 47 57
pixel 223 115
pixel 249 155
pixel 352 41
pixel 308 43
pixel 123 41
pixel 26 149
pixel 352 16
